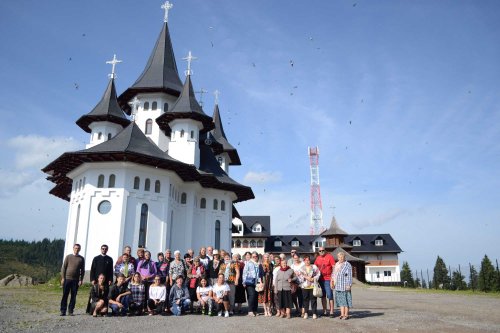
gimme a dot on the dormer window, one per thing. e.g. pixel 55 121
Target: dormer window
pixel 295 243
pixel 240 228
pixel 220 160
pixel 277 243
pixel 379 242
pixel 257 228
pixel 356 242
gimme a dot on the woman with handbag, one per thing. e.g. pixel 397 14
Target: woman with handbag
pixel 252 275
pixel 264 289
pixel 310 276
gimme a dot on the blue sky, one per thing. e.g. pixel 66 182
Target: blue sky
pixel 401 97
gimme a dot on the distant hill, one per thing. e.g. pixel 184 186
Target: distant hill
pixel 41 260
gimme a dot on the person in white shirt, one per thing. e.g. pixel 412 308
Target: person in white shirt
pixel 221 295
pixel 297 294
pixel 204 294
pixel 157 296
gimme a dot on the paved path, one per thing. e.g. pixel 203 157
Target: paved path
pixel 376 309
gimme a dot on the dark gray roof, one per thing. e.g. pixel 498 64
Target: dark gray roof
pixel 305 243
pixel 249 221
pixel 348 257
pixel 133 146
pixel 107 109
pixel 220 136
pixel 160 73
pixel 368 243
pixel 186 107
pixel 334 229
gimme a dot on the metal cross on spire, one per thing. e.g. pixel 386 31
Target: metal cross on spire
pixel 189 58
pixel 201 92
pixel 135 107
pixel 166 6
pixel 216 94
pixel 113 64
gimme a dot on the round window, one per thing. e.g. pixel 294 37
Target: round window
pixel 104 207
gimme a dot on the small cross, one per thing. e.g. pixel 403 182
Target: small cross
pixel 135 106
pixel 166 6
pixel 201 92
pixel 189 58
pixel 113 64
pixel 216 94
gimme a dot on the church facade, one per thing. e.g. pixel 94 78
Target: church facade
pixel 154 173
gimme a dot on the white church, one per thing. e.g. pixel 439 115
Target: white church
pixel 155 170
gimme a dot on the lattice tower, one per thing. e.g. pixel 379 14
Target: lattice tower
pixel 316 224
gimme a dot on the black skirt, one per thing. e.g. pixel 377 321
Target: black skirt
pixel 284 299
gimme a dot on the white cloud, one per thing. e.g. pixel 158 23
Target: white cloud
pixel 34 151
pixel 262 177
pixel 12 181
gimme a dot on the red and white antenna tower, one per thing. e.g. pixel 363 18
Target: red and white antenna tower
pixel 317 226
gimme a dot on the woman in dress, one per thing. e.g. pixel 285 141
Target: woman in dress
pixel 99 297
pixel 284 278
pixel 177 268
pixel 310 275
pixel 266 295
pixel 231 272
pixel 239 297
pixel 341 282
pixel 252 274
pixel 138 295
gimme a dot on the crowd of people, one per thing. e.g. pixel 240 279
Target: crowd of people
pixel 211 282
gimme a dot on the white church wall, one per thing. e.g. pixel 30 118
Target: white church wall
pixel 102 131
pixel 183 144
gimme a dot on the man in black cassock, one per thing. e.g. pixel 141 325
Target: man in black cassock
pixel 102 264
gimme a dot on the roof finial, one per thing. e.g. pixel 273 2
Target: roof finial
pixel 201 92
pixel 216 94
pixel 189 58
pixel 166 6
pixel 113 64
pixel 135 107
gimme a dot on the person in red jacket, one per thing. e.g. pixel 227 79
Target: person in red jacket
pixel 325 263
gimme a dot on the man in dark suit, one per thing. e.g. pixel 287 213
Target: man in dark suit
pixel 102 264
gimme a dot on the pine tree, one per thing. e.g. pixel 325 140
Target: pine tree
pixel 458 281
pixel 487 276
pixel 441 279
pixel 498 278
pixel 407 276
pixel 473 278
pixel 424 284
pixel 417 283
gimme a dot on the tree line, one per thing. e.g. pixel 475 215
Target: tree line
pixel 39 259
pixel 488 279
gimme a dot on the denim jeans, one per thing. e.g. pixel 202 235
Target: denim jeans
pixel 327 290
pixel 178 309
pixel 69 287
pixel 125 301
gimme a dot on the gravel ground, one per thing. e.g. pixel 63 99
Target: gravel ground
pixel 376 309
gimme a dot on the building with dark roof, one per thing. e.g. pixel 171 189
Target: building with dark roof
pixel 159 179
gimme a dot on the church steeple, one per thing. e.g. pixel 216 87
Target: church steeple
pixel 160 73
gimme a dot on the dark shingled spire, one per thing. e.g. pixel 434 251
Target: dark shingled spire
pixel 334 229
pixel 106 110
pixel 160 73
pixel 220 136
pixel 186 107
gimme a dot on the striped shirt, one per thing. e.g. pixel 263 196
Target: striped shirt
pixel 342 275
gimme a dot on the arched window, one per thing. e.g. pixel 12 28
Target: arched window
pixel 256 228
pixel 203 203
pixel 149 126
pixel 157 186
pixel 192 134
pixel 146 106
pixel 260 243
pixel 143 227
pixel 238 243
pixel 77 222
pixel 216 204
pixel 109 136
pixel 99 136
pixel 154 106
pixel 252 243
pixel 147 184
pixel 182 133
pixel 245 243
pixel 137 183
pixel 183 198
pixel 100 181
pixel 80 185
pixel 170 191
pixel 222 205
pixel 111 181
pixel 220 160
pixel 217 234
pixel 83 185
pixel 165 107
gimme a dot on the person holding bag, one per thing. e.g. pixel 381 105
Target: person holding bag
pixel 252 274
pixel 310 276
